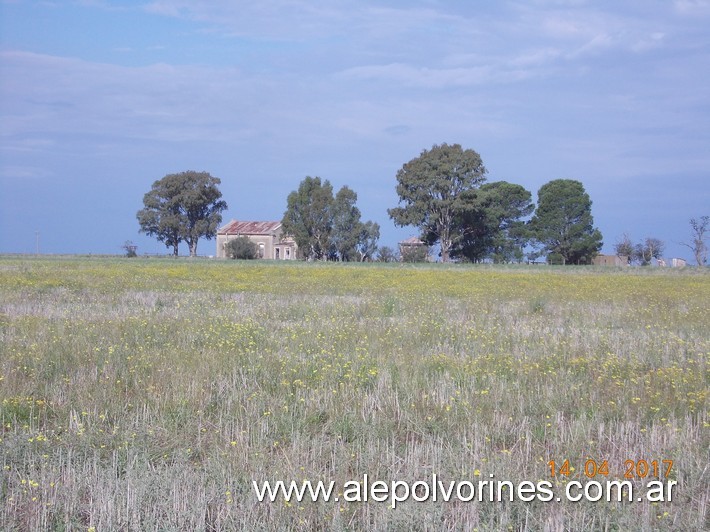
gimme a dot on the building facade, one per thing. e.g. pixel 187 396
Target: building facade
pixel 610 260
pixel 414 249
pixel 268 236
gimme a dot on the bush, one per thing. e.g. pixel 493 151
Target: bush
pixel 386 254
pixel 241 248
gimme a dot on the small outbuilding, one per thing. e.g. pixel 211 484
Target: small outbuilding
pixel 414 249
pixel 610 260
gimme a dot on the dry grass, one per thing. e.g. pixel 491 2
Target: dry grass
pixel 147 395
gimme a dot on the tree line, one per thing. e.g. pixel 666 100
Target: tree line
pixel 443 193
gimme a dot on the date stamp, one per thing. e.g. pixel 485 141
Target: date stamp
pixel 585 482
pixel 632 469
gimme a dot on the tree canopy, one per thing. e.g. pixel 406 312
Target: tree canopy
pixel 182 207
pixel 563 222
pixel 432 189
pixel 368 237
pixel 491 224
pixel 346 225
pixel 327 227
pixel 308 217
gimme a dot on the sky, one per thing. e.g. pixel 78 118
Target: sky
pixel 100 98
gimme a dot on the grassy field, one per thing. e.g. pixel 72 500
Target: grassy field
pixel 146 394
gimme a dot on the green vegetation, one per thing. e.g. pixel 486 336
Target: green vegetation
pixel 147 394
pixel 182 207
pixel 563 223
pixel 434 190
pixel 327 227
pixel 242 248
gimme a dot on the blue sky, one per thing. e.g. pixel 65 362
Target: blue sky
pixel 99 98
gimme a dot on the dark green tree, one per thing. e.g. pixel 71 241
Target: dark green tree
pixel 491 223
pixel 241 248
pixel 431 192
pixel 507 204
pixel 475 229
pixel 182 207
pixel 563 222
pixel 309 217
pixel 345 234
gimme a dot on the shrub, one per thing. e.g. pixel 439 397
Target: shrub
pixel 241 248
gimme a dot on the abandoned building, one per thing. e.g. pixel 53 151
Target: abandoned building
pixel 610 260
pixel 414 249
pixel 268 236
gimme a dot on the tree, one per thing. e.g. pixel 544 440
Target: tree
pixel 508 204
pixel 368 236
pixel 491 223
pixel 386 254
pixel 563 222
pixel 431 192
pixel 308 217
pixel 346 228
pixel 698 246
pixel 624 248
pixel 327 227
pixel 241 248
pixel 182 207
pixel 646 251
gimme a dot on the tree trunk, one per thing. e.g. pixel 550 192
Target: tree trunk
pixel 175 250
pixel 445 251
pixel 445 236
pixel 193 248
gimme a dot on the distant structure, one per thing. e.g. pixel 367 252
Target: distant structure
pixel 610 260
pixel 414 249
pixel 678 263
pixel 661 262
pixel 268 236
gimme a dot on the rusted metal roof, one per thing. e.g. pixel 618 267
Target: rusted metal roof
pixel 236 227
